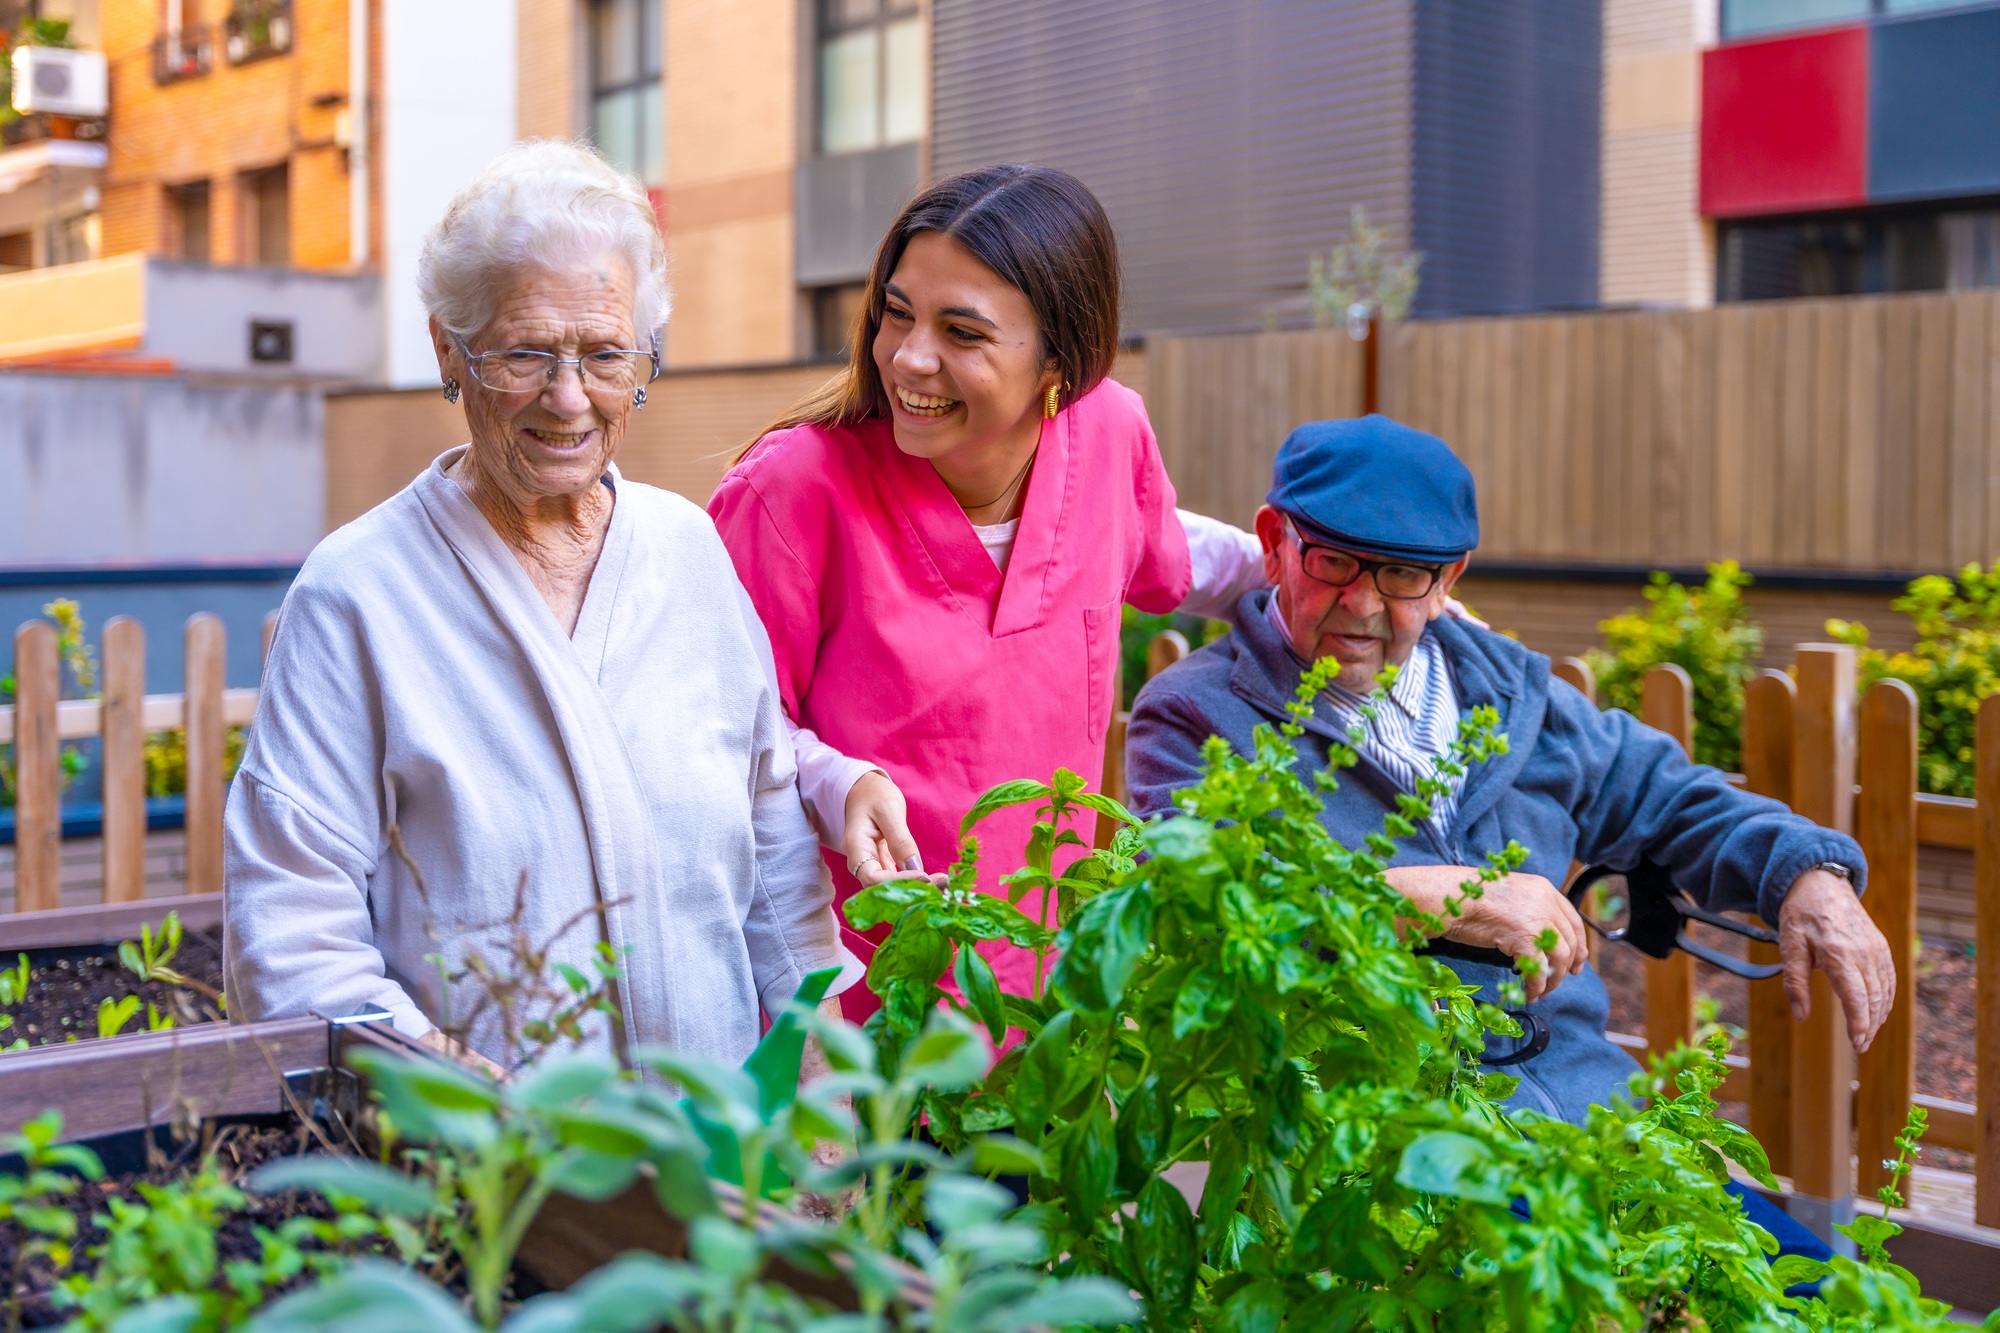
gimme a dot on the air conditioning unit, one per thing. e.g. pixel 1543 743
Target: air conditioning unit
pixel 58 81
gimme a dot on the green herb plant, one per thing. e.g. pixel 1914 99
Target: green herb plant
pixel 33 1201
pixel 1247 996
pixel 1954 664
pixel 1708 633
pixel 591 1127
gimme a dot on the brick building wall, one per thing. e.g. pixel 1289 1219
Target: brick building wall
pixel 286 110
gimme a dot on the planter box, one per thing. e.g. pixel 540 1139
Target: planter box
pixel 140 1082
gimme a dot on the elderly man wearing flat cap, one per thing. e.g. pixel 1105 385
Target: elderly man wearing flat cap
pixel 1367 527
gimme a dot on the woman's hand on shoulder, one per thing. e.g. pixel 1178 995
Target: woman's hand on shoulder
pixel 878 843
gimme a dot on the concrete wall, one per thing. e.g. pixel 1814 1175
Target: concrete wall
pixel 97 469
pixel 448 108
pixel 199 316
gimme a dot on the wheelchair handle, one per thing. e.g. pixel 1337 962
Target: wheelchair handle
pixel 1659 912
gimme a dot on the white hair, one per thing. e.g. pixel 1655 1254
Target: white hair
pixel 548 204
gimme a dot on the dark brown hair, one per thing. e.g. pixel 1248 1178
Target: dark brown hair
pixel 1043 232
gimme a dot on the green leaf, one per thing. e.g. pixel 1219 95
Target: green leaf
pixel 379 1187
pixel 1005 1155
pixel 956 1202
pixel 710 1084
pixel 372 1294
pixel 1088 1302
pixel 1145 1131
pixel 722 1247
pixel 634 1293
pixel 981 990
pixel 1161 1238
pixel 1106 805
pixel 1021 791
pixel 1256 1308
pixel 887 901
pixel 558 1082
pixel 774 1065
pixel 584 1173
pixel 1103 947
pixel 1453 1164
pixel 432 1100
pixel 1181 839
pixel 1202 1002
pixel 1228 1171
pixel 1088 1162
pixel 948 1055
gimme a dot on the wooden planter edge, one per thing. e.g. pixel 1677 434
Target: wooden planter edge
pixel 103 923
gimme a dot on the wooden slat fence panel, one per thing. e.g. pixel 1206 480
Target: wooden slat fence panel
pixel 1843 433
pixel 204 648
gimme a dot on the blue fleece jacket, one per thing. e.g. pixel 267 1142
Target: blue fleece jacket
pixel 1576 785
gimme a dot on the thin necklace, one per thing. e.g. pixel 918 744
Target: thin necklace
pixel 1010 487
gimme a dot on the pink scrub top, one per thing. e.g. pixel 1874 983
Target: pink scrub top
pixel 899 642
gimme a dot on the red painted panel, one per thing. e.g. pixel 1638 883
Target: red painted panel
pixel 1784 124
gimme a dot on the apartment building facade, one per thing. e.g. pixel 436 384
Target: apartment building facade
pixel 258 168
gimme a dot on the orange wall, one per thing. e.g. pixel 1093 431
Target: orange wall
pixel 216 126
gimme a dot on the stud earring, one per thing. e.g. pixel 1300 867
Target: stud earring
pixel 639 398
pixel 1053 403
pixel 451 391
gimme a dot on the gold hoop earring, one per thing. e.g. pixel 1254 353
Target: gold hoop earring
pixel 1053 403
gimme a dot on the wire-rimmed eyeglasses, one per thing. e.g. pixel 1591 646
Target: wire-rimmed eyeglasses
pixel 1394 579
pixel 617 370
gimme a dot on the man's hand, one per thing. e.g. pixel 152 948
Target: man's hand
pixel 1510 916
pixel 1823 925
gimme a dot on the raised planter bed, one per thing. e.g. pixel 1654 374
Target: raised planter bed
pixel 276 1076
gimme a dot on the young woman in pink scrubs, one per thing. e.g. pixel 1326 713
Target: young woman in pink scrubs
pixel 942 540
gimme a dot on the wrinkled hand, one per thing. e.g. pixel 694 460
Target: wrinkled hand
pixel 1510 916
pixel 1823 925
pixel 436 1040
pixel 878 841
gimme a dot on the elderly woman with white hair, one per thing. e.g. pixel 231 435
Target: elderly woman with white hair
pixel 541 677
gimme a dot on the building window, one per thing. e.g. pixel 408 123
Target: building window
pixel 1749 18
pixel 267 216
pixel 17 250
pixel 833 313
pixel 187 216
pixel 1911 251
pixel 873 75
pixel 628 121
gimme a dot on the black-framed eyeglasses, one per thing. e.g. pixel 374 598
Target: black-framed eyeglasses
pixel 617 370
pixel 1394 579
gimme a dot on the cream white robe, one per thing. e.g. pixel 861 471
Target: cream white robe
pixel 418 679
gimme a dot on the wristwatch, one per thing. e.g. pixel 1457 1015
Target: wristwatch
pixel 1836 868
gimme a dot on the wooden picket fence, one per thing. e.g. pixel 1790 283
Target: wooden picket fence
pixel 39 721
pixel 1848 763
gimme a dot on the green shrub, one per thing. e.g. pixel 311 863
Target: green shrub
pixel 1954 665
pixel 1706 632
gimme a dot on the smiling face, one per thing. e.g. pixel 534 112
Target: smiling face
pixel 1356 624
pixel 961 359
pixel 537 445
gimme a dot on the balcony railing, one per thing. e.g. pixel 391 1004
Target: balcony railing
pixel 182 55
pixel 256 29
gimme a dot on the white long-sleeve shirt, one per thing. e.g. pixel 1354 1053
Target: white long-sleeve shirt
pixel 1227 563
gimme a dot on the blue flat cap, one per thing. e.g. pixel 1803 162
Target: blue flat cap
pixel 1377 486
